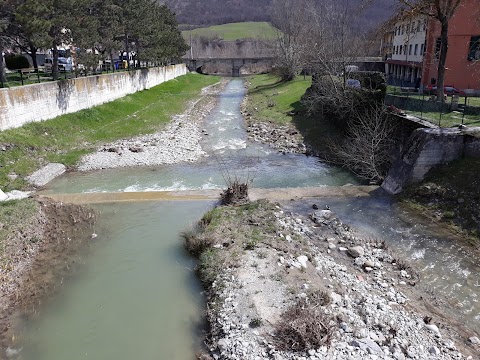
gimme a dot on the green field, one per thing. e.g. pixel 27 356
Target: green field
pixel 66 138
pixel 236 31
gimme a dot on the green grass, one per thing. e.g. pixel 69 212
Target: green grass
pixel 271 100
pixel 236 31
pixel 66 138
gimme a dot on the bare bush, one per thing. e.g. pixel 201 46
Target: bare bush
pixel 235 194
pixel 367 147
pixel 303 326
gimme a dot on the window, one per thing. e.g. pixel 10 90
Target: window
pixel 403 29
pixel 416 50
pixel 405 50
pixel 425 25
pixel 401 48
pixel 419 25
pixel 410 50
pixel 422 48
pixel 413 27
pixel 474 50
pixel 408 28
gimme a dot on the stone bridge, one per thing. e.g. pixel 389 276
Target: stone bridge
pixel 228 66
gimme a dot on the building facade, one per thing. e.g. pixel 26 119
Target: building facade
pixel 404 67
pixel 416 44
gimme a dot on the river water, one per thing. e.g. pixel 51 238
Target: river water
pixel 137 297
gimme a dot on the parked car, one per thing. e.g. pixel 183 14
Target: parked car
pixel 64 64
pixel 447 89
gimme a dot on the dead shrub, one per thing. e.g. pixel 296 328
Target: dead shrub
pixel 304 326
pixel 235 194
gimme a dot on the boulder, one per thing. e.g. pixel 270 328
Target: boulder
pixel 3 196
pixel 356 251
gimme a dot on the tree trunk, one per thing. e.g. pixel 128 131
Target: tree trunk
pixel 442 60
pixel 55 61
pixel 33 55
pixel 3 78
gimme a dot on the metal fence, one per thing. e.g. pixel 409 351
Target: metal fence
pixel 455 110
pixel 34 76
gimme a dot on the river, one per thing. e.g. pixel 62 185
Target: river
pixel 137 296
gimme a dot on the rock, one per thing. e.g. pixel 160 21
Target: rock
pixel 356 251
pixel 315 207
pixel 434 350
pixel 46 174
pixel 135 149
pixel 12 176
pixel 223 344
pixel 17 194
pixel 321 215
pixel 367 345
pixel 369 264
pixel 3 196
pixel 433 328
pixel 303 261
pixel 341 248
pixel 474 340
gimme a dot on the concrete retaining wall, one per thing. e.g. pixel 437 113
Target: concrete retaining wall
pixel 427 148
pixel 30 103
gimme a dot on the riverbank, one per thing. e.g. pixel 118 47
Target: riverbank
pixel 449 195
pixel 69 137
pixel 36 253
pixel 178 142
pixel 288 285
pixel 275 116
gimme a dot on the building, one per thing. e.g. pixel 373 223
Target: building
pixel 404 67
pixel 416 44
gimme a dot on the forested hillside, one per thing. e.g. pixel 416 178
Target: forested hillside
pixel 212 12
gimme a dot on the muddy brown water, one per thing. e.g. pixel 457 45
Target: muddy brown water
pixel 137 296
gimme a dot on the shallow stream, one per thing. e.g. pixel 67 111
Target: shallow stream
pixel 137 296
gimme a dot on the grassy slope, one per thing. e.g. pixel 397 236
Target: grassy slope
pixel 274 101
pixel 450 194
pixel 236 31
pixel 66 138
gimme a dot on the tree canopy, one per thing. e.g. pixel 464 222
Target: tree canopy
pixel 98 28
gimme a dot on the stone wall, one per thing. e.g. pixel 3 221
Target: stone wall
pixel 427 148
pixel 30 103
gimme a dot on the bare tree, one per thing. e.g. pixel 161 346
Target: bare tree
pixel 442 11
pixel 293 20
pixel 366 150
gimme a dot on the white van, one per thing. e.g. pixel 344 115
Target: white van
pixel 64 64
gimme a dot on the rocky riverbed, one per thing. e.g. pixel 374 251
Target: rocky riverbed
pixel 291 286
pixel 178 142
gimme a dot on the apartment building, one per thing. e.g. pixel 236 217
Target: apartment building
pixel 416 44
pixel 404 67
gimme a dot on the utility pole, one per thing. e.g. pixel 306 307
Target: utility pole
pixel 191 43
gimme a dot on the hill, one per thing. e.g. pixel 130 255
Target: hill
pixel 214 12
pixel 235 31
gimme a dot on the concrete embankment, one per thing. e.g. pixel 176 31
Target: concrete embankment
pixel 31 103
pixel 427 148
